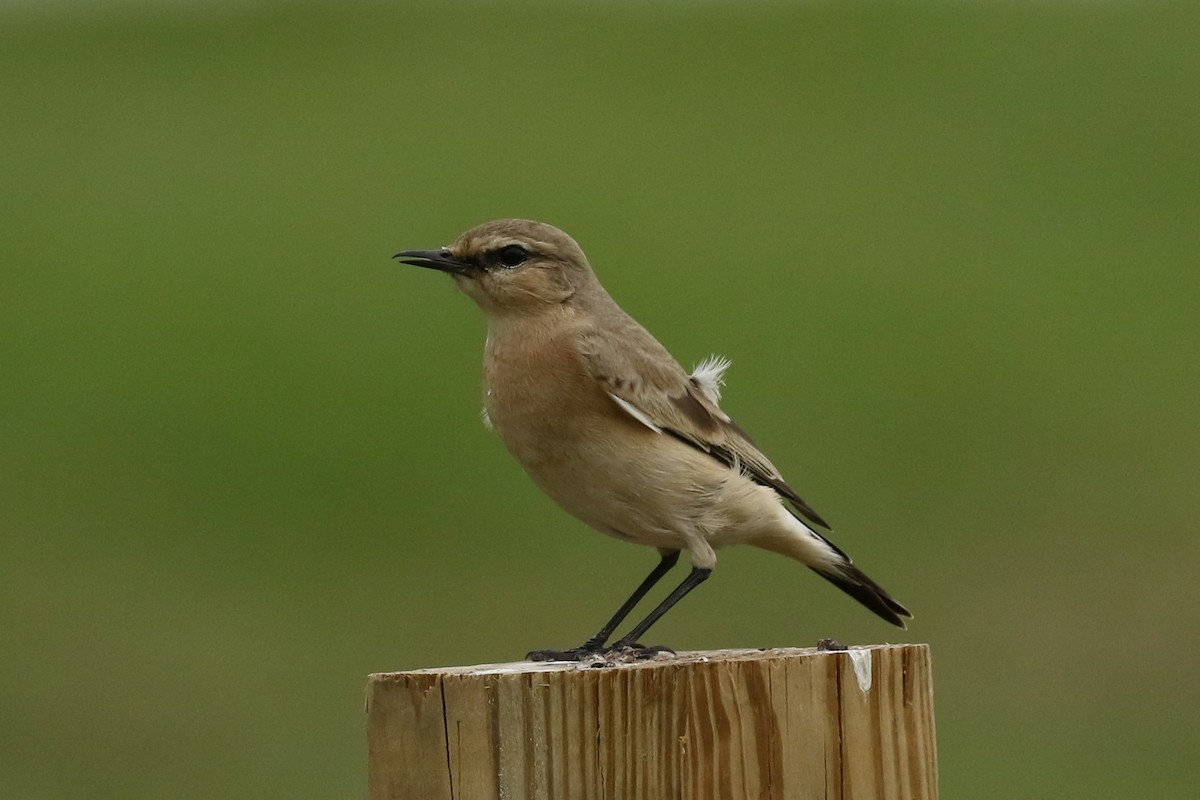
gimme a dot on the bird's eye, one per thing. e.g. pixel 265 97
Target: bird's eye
pixel 512 255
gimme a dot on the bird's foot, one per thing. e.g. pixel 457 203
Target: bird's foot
pixel 582 653
pixel 589 649
pixel 634 651
pixel 621 651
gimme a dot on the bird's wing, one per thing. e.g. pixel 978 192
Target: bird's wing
pixel 644 380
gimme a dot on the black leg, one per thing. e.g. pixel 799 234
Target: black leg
pixel 597 642
pixel 694 579
pixel 669 560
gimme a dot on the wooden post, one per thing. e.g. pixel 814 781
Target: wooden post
pixel 727 724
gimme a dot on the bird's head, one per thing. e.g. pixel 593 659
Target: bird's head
pixel 511 266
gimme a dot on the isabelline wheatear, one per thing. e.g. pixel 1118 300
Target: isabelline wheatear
pixel 608 424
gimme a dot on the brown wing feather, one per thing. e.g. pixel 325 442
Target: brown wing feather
pixel 630 364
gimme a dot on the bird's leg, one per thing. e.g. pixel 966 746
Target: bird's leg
pixel 629 641
pixel 669 559
pixel 596 643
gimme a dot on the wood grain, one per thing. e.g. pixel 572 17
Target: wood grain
pixel 728 724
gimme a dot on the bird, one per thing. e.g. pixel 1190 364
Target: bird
pixel 608 424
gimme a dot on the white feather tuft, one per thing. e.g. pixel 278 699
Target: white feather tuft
pixel 709 376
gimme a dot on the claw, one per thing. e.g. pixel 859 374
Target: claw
pixel 619 651
pixel 636 651
pixel 581 653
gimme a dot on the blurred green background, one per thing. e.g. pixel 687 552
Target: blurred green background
pixel 951 249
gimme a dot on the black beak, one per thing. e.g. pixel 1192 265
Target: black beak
pixel 435 259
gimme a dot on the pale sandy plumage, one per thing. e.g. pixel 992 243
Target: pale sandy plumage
pixel 612 428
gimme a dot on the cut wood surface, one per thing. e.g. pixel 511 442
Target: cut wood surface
pixel 728 724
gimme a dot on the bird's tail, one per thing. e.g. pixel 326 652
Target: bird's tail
pixel 827 560
pixel 854 582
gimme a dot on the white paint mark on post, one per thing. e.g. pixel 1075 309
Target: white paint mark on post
pixel 861 659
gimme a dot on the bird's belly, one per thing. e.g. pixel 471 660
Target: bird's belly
pixel 634 484
pixel 600 464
